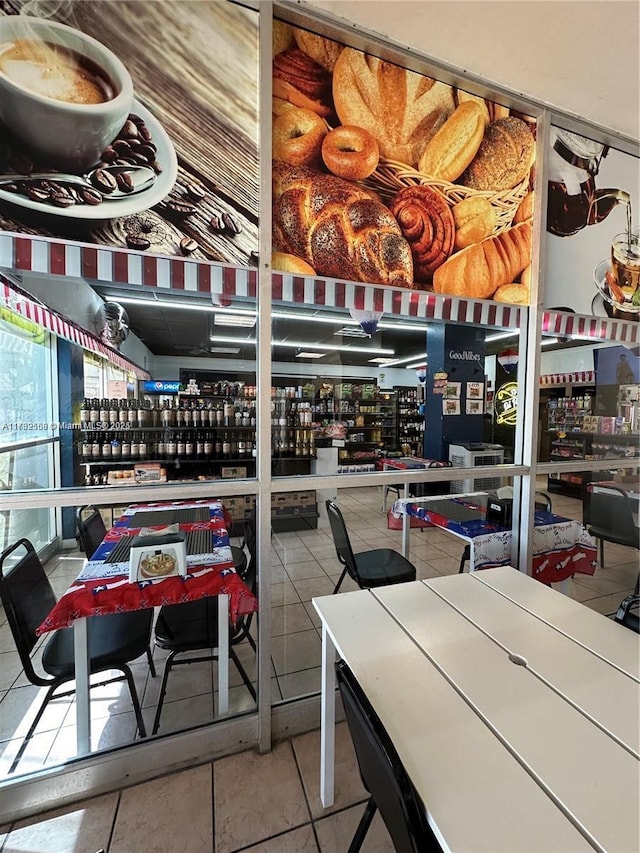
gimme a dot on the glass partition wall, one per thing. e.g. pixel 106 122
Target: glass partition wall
pixel 359 394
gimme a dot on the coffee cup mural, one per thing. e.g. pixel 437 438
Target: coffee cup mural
pixel 62 93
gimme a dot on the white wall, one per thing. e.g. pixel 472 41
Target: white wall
pixel 579 56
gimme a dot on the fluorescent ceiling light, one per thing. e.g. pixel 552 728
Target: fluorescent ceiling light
pixel 234 320
pixel 351 332
pixel 501 336
pixel 227 350
pixel 410 358
pixel 184 305
pixel 310 354
pixel 380 360
pixel 223 339
pixel 334 321
pixel 331 347
pixel 414 366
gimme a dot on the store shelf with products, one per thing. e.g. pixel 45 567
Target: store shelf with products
pixel 568 413
pixel 589 446
pixel 410 421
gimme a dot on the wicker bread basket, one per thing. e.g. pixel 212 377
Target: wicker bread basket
pixel 391 176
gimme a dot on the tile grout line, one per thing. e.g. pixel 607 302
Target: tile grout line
pixel 113 823
pixel 304 792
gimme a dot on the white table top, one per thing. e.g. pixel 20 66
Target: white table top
pixel 502 756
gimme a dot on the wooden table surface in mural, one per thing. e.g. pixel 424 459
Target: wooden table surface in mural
pixel 194 66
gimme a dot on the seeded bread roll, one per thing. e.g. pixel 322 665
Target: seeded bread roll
pixel 403 110
pixel 504 157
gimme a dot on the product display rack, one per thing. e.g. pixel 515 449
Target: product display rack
pixel 588 446
pixel 410 423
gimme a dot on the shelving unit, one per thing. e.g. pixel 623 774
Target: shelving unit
pixel 410 423
pixel 588 446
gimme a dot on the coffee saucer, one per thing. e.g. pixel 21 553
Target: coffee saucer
pixel 166 157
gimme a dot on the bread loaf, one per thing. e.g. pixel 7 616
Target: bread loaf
pixel 426 222
pixel 338 228
pixel 299 79
pixel 462 97
pixel 400 108
pixel 504 157
pixel 455 145
pixel 479 270
pixel 324 51
pixel 475 219
pixel 525 208
pixel 516 294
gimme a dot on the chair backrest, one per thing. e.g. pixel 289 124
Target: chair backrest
pixel 341 539
pixel 27 598
pixel 628 613
pixel 91 528
pixel 382 772
pixel 542 499
pixel 609 515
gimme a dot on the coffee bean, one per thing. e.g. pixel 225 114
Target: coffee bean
pixel 135 144
pixel 180 208
pixel 124 182
pixel 147 152
pixel 122 147
pixel 88 195
pixel 138 158
pixel 195 192
pixel 103 181
pixel 230 224
pixel 109 154
pixel 144 132
pixel 157 168
pixel 10 188
pixel 36 193
pixel 188 245
pixel 125 161
pixel 62 200
pixel 129 130
pixel 135 119
pixel 134 241
pixel 215 223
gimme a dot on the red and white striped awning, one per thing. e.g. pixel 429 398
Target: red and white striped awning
pixel 181 275
pixel 579 377
pixel 21 305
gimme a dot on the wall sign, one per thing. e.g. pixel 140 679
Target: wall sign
pixel 506 404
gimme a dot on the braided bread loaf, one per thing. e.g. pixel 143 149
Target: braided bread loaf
pixel 479 270
pixel 338 228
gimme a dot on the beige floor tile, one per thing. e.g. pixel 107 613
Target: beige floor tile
pixel 181 715
pixel 308 589
pixel 165 815
pixel 601 583
pixel 256 797
pixel 10 669
pixel 81 828
pixel 288 619
pixel 313 614
pixel 309 568
pixel 300 683
pixel 293 652
pixel 336 831
pixel 348 786
pixel 33 758
pixel 607 604
pixel 20 706
pixel 184 680
pixel 284 593
pixel 301 840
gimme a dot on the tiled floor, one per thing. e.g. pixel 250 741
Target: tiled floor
pixel 259 803
pixel 304 566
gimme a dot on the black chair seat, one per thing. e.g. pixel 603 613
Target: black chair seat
pixel 378 567
pixel 383 566
pixel 112 639
pixel 628 614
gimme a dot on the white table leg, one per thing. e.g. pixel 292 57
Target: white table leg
pixel 327 719
pixel 406 528
pixel 223 655
pixel 83 711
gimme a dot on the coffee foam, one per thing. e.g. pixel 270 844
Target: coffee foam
pixel 51 71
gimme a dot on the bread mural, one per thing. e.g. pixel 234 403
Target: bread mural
pixel 386 176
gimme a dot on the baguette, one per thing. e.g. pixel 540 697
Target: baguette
pixel 455 145
pixel 479 270
pixel 338 228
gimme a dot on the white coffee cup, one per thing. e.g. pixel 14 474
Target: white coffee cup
pixel 65 135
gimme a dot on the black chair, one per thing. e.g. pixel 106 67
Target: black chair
pixel 90 528
pixel 378 567
pixel 628 612
pixel 114 640
pixel 383 775
pixel 609 517
pixel 542 501
pixel 193 626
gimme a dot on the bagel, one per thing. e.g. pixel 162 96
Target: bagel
pixel 298 135
pixel 350 152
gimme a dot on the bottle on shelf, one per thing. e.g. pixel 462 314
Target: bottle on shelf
pixel 135 445
pixel 189 445
pixel 143 446
pixel 180 445
pixel 171 445
pixel 126 445
pixel 226 447
pixel 116 447
pixel 218 445
pixel 208 445
pixel 85 412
